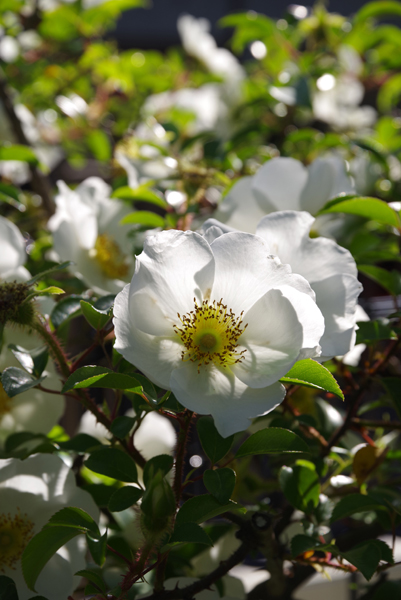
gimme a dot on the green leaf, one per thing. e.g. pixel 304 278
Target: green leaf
pixel 99 145
pixel 100 492
pixel 95 317
pixel 379 8
pixel 271 441
pixel 18 152
pixel 143 217
pixel 34 361
pixel 97 548
pixel 354 503
pixel 369 208
pixel 81 443
pixel 213 444
pixel 114 463
pixel 189 533
pixel 312 374
pixel 54 269
pixel 8 591
pixel 41 548
pixel 124 498
pixel 93 578
pixel 392 385
pixel 220 483
pixel 201 508
pixel 141 193
pixel 101 377
pixel 373 331
pixel 121 426
pixel 365 557
pixel 389 280
pixel 300 485
pixel 66 309
pixel 162 462
pixel 75 518
pixel 49 291
pixel 16 381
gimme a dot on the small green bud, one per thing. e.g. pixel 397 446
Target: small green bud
pixel 158 506
pixel 14 306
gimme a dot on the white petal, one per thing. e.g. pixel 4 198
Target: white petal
pixel 218 392
pixel 287 234
pixel 337 297
pixel 326 178
pixel 212 229
pixel 272 340
pixel 278 184
pixel 245 271
pixel 174 268
pixel 156 435
pixel 311 319
pixel 156 357
pixel 239 208
pixel 12 248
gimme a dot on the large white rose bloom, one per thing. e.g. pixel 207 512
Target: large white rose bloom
pixel 283 184
pixel 86 229
pixel 32 410
pixel 31 491
pixel 218 324
pixel 330 270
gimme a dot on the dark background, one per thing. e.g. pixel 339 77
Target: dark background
pixel 156 27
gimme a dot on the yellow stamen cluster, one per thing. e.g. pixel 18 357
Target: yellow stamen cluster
pixel 110 258
pixel 210 333
pixel 5 402
pixel 15 533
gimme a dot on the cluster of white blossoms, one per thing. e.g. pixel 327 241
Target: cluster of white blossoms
pixel 86 229
pixel 31 491
pixel 218 324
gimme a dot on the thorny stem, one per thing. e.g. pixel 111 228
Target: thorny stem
pixel 39 181
pixel 179 461
pixel 53 344
pixel 353 406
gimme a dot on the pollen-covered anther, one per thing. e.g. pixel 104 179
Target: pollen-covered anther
pixel 111 260
pixel 15 533
pixel 210 333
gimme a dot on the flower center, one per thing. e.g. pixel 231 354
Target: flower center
pixel 5 402
pixel 110 258
pixel 15 533
pixel 210 333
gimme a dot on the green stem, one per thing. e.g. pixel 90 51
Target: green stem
pixel 54 346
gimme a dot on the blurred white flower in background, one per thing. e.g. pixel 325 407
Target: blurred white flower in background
pixel 156 435
pixel 337 102
pixel 330 270
pixel 284 184
pixel 86 230
pixel 217 324
pixel 37 135
pixel 31 491
pixel 33 410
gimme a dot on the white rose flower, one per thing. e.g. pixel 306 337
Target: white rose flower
pixel 199 43
pixel 283 184
pixel 31 491
pixel 86 229
pixel 339 105
pixel 330 270
pixel 218 324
